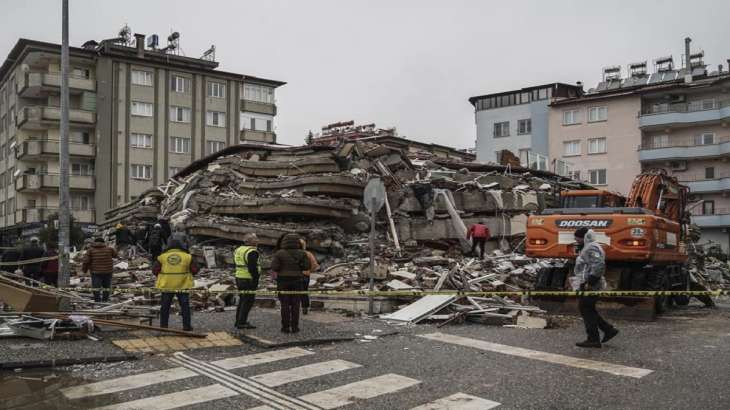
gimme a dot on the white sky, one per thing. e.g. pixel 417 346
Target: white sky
pixel 409 64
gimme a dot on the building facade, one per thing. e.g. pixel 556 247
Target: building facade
pixel 137 116
pixel 517 121
pixel 673 119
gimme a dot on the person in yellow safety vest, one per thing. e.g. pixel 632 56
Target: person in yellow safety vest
pixel 248 269
pixel 175 269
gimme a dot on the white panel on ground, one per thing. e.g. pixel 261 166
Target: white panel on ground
pixel 420 309
pixel 459 401
pixel 259 358
pixel 362 390
pixel 615 369
pixel 127 383
pixel 307 372
pixel 177 399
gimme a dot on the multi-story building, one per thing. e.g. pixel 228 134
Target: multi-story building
pixel 517 121
pixel 137 115
pixel 675 119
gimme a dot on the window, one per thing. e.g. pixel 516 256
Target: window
pixel 501 129
pixel 142 109
pixel 80 202
pixel 217 90
pixel 79 72
pixel 140 77
pixel 710 173
pixel 258 123
pixel 597 176
pixel 82 169
pixel 542 94
pixel 216 119
pixel 138 171
pixel 174 170
pixel 80 137
pixel 574 175
pixel 524 98
pixel 179 114
pixel 708 104
pixel 706 138
pixel 571 117
pixel 571 148
pixel 180 145
pixel 597 146
pixel 214 146
pixel 140 140
pixel 258 93
pixel 658 141
pixel 180 84
pixel 2 151
pixel 524 126
pixel 708 207
pixel 596 114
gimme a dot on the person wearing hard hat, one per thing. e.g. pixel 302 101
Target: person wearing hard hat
pixel 248 266
pixel 175 269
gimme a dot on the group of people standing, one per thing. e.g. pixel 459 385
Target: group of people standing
pixel 45 271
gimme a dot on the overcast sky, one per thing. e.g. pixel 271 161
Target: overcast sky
pixel 408 64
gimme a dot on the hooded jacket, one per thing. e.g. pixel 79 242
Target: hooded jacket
pixel 290 261
pixel 590 265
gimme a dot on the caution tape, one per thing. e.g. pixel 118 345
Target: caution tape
pixel 29 261
pixel 529 293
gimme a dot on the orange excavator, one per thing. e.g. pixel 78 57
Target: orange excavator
pixel 643 235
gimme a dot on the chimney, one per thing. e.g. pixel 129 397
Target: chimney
pixel 139 42
pixel 687 40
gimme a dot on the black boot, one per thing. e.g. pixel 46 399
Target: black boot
pixel 588 343
pixel 609 335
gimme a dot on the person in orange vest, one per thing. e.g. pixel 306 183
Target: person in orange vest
pixel 175 269
pixel 479 234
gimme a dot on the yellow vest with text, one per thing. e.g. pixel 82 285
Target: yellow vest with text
pixel 175 272
pixel 240 257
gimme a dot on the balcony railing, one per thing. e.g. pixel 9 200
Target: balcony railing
pixel 40 214
pixel 47 147
pixel 41 114
pixel 681 143
pixel 52 80
pixel 700 177
pixel 52 181
pixel 698 211
pixel 693 106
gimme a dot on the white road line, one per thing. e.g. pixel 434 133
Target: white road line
pixel 245 386
pixel 615 369
pixel 362 390
pixel 177 399
pixel 459 401
pixel 127 383
pixel 260 358
pixel 307 372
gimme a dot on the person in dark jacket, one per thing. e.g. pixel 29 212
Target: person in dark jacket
pixel 288 265
pixel 125 241
pixel 99 260
pixel 32 251
pixel 50 267
pixel 155 242
pixel 11 255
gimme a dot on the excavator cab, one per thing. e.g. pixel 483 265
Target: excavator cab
pixel 591 198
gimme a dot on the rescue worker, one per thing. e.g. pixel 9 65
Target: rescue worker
pixel 32 251
pixel 314 266
pixel 174 270
pixel 590 266
pixel 11 255
pixel 247 262
pixel 125 241
pixel 178 235
pixel 479 234
pixel 155 241
pixel 288 265
pixel 99 259
pixel 50 267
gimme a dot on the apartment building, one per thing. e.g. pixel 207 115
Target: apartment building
pixel 138 114
pixel 517 121
pixel 673 118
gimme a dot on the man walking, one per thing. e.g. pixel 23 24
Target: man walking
pixel 479 234
pixel 247 278
pixel 590 266
pixel 288 264
pixel 99 260
pixel 175 269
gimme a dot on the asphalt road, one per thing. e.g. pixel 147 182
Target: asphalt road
pixel 678 362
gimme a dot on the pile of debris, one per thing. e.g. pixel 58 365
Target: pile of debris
pixel 708 265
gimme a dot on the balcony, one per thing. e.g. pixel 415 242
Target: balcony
pixel 37 215
pixel 258 107
pixel 37 182
pixel 686 148
pixel 719 218
pixel 720 183
pixel 46 117
pixel 268 137
pixel 684 114
pixel 50 148
pixel 35 85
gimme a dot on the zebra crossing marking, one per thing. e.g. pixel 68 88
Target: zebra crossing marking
pixel 459 401
pixel 615 369
pixel 175 400
pixel 305 372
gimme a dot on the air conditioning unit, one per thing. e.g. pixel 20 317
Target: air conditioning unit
pixel 678 165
